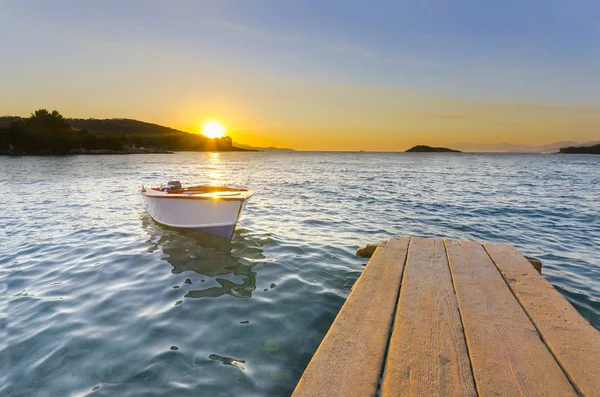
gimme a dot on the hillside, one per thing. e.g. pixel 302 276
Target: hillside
pixel 124 126
pixel 595 149
pixel 6 121
pixel 507 147
pixel 120 135
pixel 262 148
pixel 142 134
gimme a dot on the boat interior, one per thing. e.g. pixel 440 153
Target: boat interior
pixel 201 189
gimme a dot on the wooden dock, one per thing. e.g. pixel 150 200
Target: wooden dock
pixel 432 317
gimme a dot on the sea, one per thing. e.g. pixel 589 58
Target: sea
pixel 99 300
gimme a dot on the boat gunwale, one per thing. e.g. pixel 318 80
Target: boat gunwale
pixel 244 194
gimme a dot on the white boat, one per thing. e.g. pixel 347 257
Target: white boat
pixel 209 209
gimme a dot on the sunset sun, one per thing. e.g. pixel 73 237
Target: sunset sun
pixel 213 129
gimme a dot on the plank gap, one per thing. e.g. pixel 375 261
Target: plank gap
pixel 461 321
pixel 539 332
pixel 507 354
pixel 387 347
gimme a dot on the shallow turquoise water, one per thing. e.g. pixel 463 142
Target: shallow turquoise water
pixel 99 300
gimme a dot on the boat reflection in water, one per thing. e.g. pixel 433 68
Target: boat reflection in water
pixel 226 263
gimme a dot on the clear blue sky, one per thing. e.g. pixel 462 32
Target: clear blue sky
pixel 312 74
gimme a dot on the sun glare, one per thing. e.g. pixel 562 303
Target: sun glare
pixel 213 129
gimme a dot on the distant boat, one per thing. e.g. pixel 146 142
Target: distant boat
pixel 212 210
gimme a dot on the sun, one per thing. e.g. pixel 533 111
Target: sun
pixel 213 129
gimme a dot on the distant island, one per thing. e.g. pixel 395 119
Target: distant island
pixel 49 133
pixel 430 149
pixel 506 147
pixel 263 148
pixel 595 149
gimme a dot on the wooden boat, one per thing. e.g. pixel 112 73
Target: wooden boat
pixel 213 210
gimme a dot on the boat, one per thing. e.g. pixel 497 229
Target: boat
pixel 212 210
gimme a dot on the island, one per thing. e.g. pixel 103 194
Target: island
pixel 49 133
pixel 430 149
pixel 595 149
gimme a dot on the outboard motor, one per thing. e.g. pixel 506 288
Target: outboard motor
pixel 171 185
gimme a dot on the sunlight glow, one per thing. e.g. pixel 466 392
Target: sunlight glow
pixel 213 129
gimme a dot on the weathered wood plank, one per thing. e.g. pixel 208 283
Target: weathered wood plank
pixel 507 355
pixel 427 354
pixel 573 341
pixel 350 357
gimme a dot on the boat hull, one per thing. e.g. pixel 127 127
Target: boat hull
pixel 211 216
pixel 225 232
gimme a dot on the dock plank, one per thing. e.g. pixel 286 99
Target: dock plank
pixel 507 355
pixel 573 341
pixel 349 360
pixel 427 355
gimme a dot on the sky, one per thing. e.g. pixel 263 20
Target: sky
pixel 313 75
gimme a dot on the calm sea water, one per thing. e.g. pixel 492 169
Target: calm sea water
pixel 99 300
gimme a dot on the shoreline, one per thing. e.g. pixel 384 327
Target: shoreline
pixel 97 152
pixel 164 151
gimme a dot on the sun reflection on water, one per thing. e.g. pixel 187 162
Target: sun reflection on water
pixel 214 169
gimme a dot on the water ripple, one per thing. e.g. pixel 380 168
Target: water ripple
pixel 99 300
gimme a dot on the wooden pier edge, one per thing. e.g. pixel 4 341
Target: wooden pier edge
pixel 349 360
pixel 572 340
pixel 454 318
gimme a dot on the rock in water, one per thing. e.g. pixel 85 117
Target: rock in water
pixel 367 251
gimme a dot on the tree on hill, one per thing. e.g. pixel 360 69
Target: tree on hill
pixel 45 122
pixel 51 132
pixel 47 132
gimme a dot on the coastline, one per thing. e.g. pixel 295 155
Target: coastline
pixel 96 152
